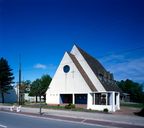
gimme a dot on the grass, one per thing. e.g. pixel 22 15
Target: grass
pixel 134 105
pixel 58 107
pixel 8 104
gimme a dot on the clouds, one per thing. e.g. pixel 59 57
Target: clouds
pixel 40 66
pixel 132 69
pixel 125 67
pixel 47 69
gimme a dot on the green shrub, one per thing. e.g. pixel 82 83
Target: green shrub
pixel 141 113
pixel 69 106
pixel 105 110
pixel 72 106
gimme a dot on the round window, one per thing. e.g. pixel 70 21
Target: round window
pixel 66 68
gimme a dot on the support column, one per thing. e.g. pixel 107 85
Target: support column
pixel 118 101
pixel 73 98
pixel 93 98
pixel 106 99
pixel 112 101
pixel 89 101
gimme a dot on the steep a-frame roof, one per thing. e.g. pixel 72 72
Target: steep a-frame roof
pixel 83 73
pixel 105 77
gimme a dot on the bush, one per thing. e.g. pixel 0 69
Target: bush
pixel 70 106
pixel 141 113
pixel 67 107
pixel 105 110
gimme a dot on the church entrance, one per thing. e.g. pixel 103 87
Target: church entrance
pixel 65 98
pixel 80 98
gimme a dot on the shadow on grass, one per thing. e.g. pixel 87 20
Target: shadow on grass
pixel 140 113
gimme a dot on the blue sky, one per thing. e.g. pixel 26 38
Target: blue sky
pixel 42 30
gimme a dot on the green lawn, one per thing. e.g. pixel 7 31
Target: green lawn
pixel 135 105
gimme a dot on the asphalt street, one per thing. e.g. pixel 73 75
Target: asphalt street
pixel 96 120
pixel 13 120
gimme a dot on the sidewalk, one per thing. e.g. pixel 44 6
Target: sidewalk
pixel 85 116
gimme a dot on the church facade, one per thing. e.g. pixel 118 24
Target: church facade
pixel 81 79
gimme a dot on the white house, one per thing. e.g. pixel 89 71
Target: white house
pixel 81 79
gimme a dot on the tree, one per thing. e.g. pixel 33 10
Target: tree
pixel 25 86
pixel 6 77
pixel 134 89
pixel 40 86
pixel 34 89
pixel 45 82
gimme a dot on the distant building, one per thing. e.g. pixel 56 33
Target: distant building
pixel 125 97
pixel 81 79
pixel 28 98
pixel 10 96
pixel 25 95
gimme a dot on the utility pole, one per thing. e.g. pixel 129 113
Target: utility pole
pixel 20 97
pixel 40 110
pixel 40 106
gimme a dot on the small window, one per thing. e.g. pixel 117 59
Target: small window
pixel 66 68
pixel 100 76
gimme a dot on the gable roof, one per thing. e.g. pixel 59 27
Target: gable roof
pixel 105 77
pixel 83 73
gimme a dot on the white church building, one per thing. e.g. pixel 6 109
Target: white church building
pixel 81 79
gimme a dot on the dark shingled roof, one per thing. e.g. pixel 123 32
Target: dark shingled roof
pixel 105 77
pixel 83 73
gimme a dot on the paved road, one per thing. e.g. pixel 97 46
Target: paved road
pixel 13 120
pixel 111 120
pixel 133 120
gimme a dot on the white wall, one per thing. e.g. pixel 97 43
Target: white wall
pixel 100 107
pixel 111 108
pixel 32 98
pixel 71 82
